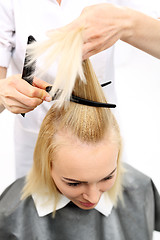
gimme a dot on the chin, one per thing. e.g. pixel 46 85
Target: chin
pixel 85 206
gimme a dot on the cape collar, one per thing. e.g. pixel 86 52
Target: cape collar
pixel 45 206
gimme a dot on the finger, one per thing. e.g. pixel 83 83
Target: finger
pixel 89 54
pixel 33 92
pixel 88 50
pixel 18 110
pixel 18 99
pixel 40 83
pixel 16 107
pixel 92 52
pixel 94 47
pixel 25 103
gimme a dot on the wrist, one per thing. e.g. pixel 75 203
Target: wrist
pixel 128 24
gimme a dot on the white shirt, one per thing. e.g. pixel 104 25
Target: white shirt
pixel 44 207
pixel 18 20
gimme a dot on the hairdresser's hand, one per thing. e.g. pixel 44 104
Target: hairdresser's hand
pixel 103 25
pixel 18 96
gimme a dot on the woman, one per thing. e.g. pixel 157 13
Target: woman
pixel 74 189
pixel 19 97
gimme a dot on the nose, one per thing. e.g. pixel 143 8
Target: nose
pixel 92 193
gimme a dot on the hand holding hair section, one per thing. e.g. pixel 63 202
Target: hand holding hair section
pixel 66 49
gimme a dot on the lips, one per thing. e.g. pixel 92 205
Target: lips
pixel 87 204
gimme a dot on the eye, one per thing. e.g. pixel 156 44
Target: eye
pixel 73 184
pixel 108 178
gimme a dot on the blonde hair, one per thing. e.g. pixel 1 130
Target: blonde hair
pixel 88 124
pixel 66 50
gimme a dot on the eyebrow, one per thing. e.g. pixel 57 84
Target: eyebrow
pixel 78 181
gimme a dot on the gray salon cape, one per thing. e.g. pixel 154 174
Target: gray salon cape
pixel 136 220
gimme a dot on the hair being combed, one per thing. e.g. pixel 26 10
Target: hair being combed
pixel 66 50
pixel 89 124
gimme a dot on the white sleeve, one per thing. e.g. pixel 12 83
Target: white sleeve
pixel 7 32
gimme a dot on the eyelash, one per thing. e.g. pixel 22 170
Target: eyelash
pixel 108 178
pixel 73 184
pixel 77 184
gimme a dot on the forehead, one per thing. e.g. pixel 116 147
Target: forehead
pixel 78 160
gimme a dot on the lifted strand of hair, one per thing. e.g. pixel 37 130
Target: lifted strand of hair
pixel 65 48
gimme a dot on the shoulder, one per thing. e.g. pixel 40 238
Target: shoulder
pixel 10 198
pixel 134 179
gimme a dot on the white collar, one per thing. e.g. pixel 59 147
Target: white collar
pixel 45 206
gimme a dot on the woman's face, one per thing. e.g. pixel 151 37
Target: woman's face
pixel 83 172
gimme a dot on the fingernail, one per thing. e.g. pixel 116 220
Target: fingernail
pixel 48 88
pixel 48 99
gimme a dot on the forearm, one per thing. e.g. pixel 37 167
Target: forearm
pixel 3 73
pixel 142 32
pixel 114 23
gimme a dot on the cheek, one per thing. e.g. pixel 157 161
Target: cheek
pixel 68 191
pixel 111 183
